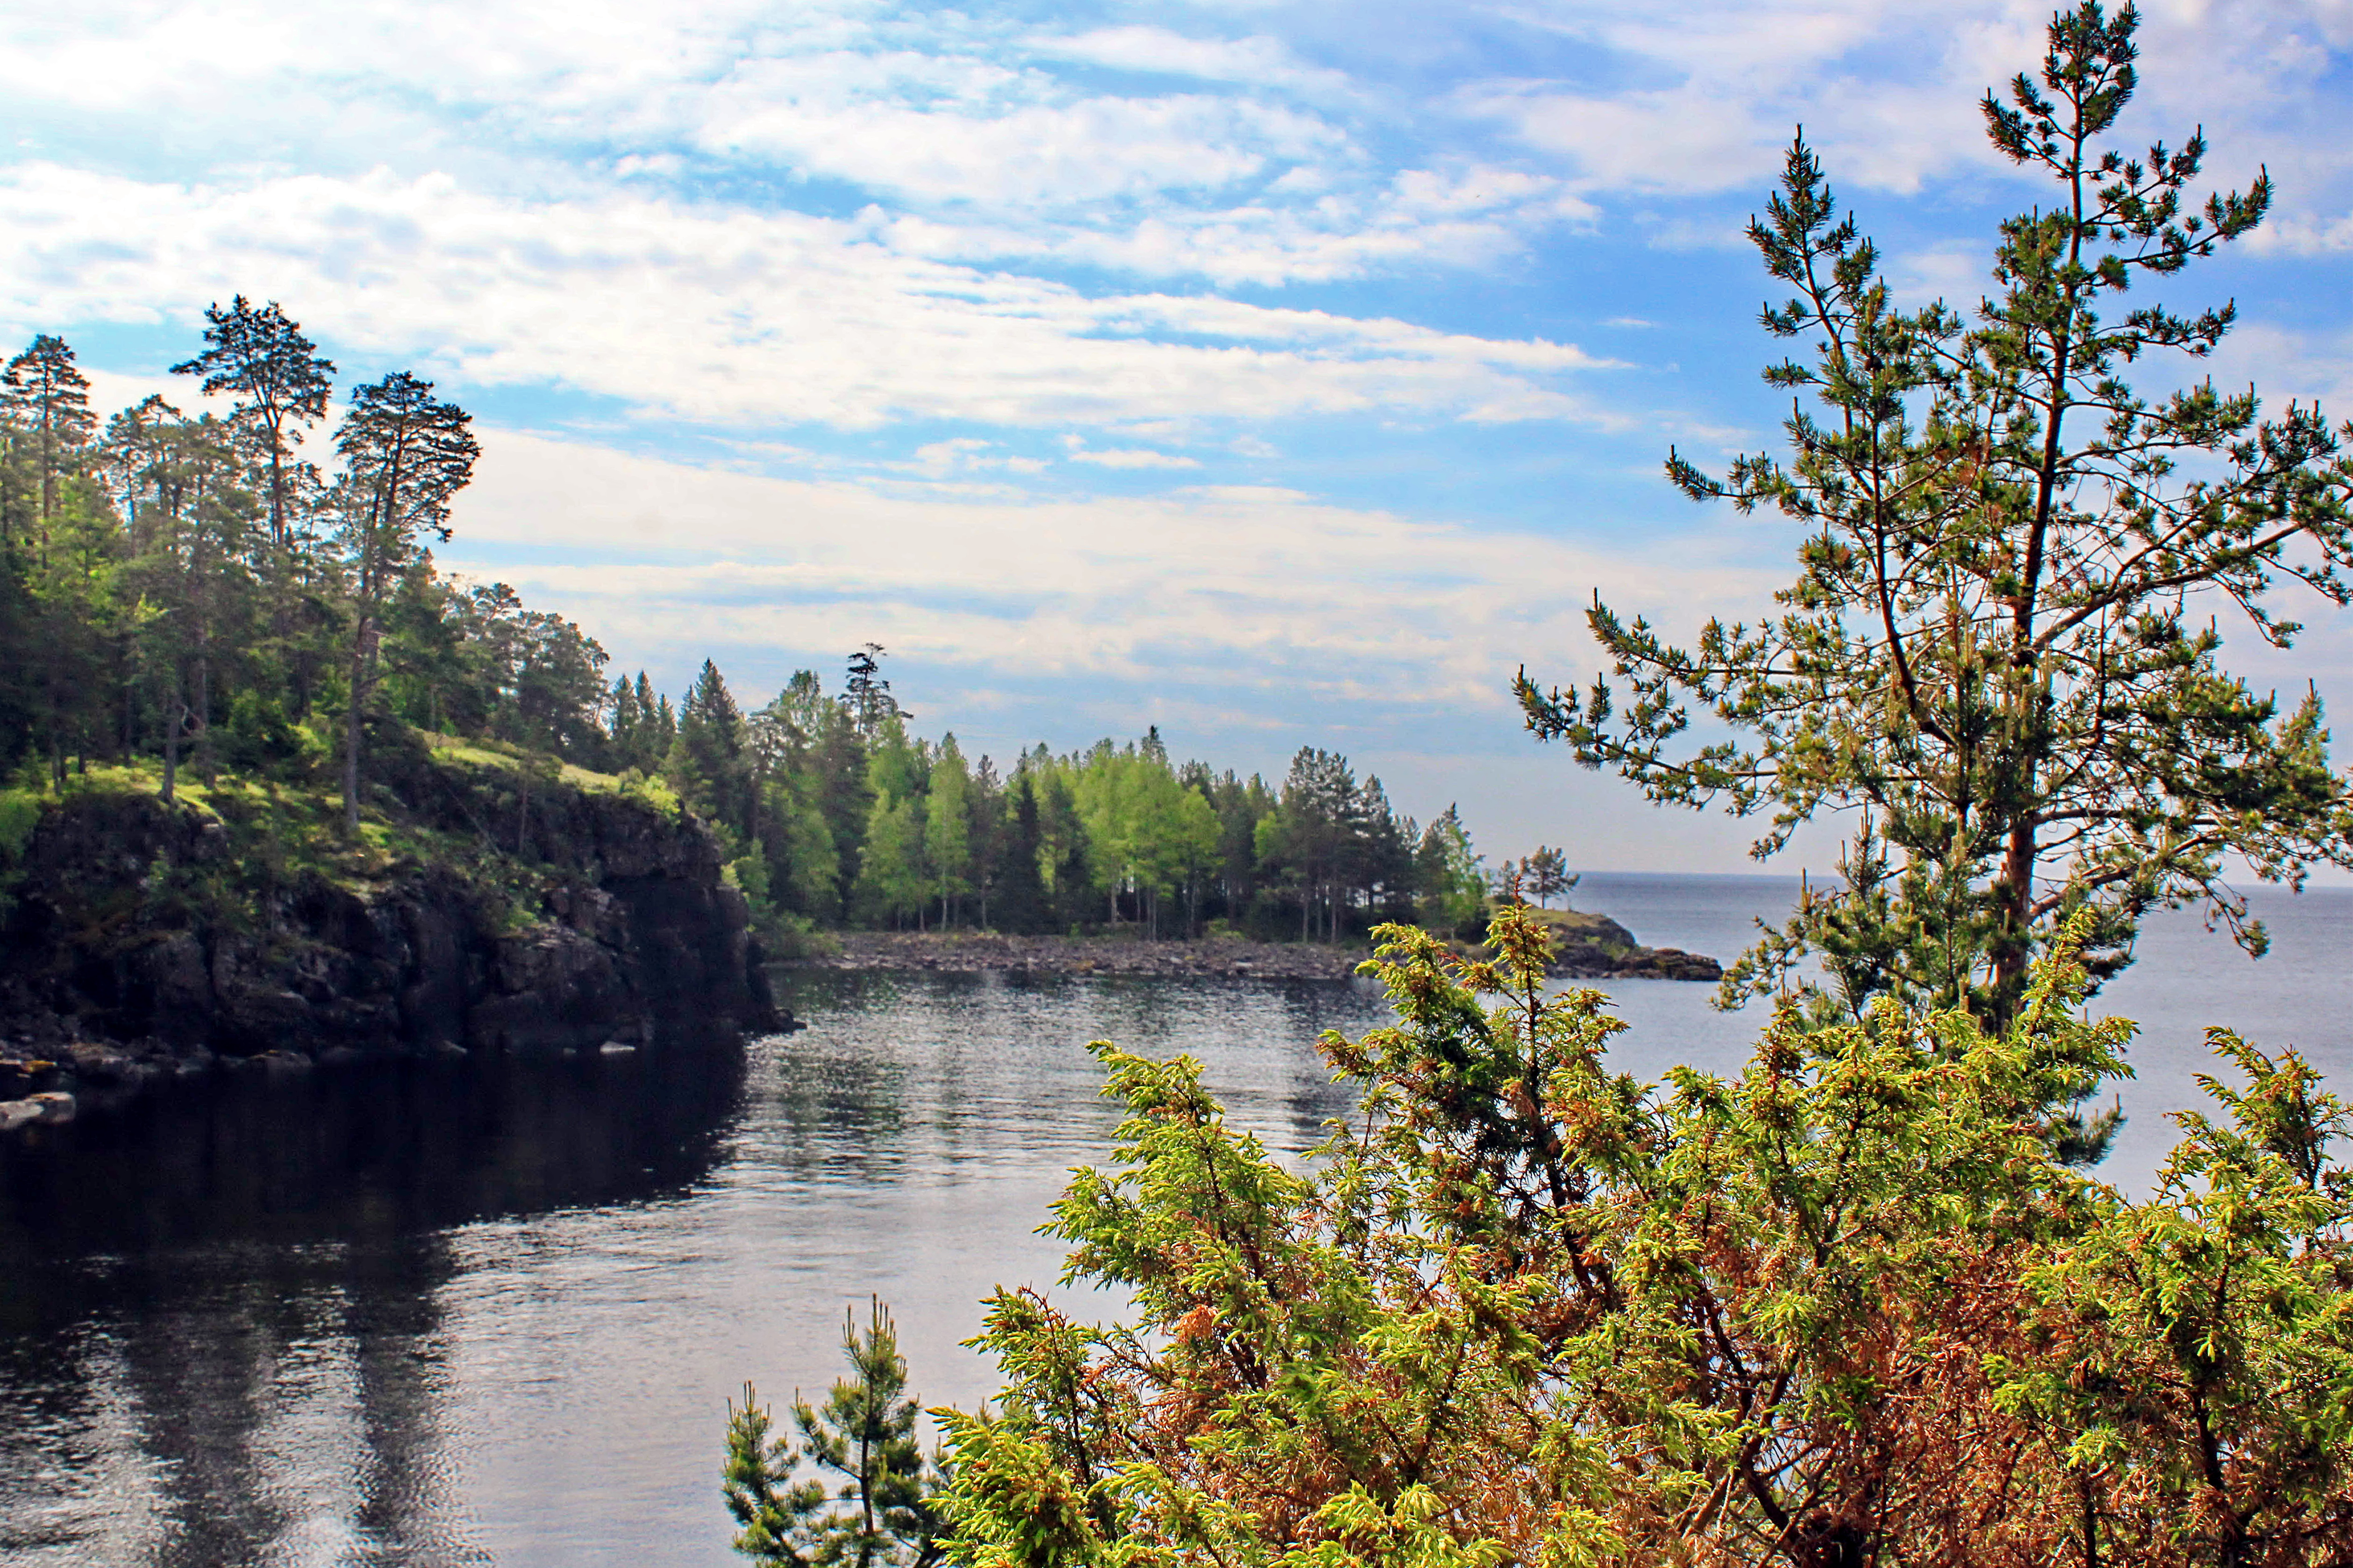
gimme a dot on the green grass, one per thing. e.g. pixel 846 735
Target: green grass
pixel 19 810
pixel 280 830
pixel 511 759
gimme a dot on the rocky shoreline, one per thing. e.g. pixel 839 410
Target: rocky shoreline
pixel 957 951
pixel 1587 947
pixel 144 944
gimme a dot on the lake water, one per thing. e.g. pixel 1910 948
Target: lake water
pixel 493 1314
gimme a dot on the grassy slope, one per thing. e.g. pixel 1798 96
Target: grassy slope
pixel 279 830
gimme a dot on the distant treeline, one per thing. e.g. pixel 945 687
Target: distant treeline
pixel 183 592
pixel 842 816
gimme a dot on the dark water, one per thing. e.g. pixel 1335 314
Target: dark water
pixel 493 1315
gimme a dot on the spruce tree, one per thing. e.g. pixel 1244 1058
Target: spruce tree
pixel 707 758
pixel 1019 896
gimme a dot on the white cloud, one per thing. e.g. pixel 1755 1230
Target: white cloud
pixel 958 108
pixel 1134 458
pixel 1001 157
pixel 721 315
pixel 1229 586
pixel 1697 102
pixel 1259 61
pixel 2285 362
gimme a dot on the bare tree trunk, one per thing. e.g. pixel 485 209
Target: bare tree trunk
pixel 204 707
pixel 352 728
pixel 171 748
pixel 277 492
pixel 2012 947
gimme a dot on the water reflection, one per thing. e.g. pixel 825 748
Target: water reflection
pixel 382 1149
pixel 223 1327
pixel 495 1314
pixel 492 1313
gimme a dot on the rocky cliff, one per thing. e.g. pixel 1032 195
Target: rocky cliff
pixel 484 910
pixel 1586 946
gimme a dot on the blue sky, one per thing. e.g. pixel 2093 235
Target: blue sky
pixel 1279 374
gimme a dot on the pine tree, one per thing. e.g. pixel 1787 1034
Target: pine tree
pixel 280 379
pixel 405 455
pixel 43 393
pixel 1546 874
pixel 870 696
pixel 1997 652
pixel 882 1514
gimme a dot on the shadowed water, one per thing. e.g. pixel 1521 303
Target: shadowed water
pixel 493 1313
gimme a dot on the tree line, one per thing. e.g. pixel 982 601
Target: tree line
pixel 837 813
pixel 193 591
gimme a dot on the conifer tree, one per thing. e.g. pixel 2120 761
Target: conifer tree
pixel 280 379
pixel 870 696
pixel 707 756
pixel 1020 892
pixel 405 455
pixel 1451 879
pixel 1064 853
pixel 1546 874
pixel 882 1513
pixel 45 395
pixel 1999 652
pixel 1844 1308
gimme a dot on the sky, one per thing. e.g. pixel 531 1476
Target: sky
pixel 1278 374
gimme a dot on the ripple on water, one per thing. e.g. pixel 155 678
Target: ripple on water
pixel 494 1314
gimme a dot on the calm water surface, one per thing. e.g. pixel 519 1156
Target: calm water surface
pixel 493 1315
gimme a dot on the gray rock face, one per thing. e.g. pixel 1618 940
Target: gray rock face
pixel 1584 945
pixel 618 927
pixel 1592 946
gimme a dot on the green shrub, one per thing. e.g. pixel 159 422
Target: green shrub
pixel 20 811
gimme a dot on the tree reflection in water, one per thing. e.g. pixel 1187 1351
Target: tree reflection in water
pixel 221 1322
pixel 495 1313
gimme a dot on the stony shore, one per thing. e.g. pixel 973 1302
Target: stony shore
pixel 979 951
pixel 1590 947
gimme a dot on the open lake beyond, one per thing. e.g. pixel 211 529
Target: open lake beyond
pixel 492 1313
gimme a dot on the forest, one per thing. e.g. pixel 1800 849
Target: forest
pixel 192 594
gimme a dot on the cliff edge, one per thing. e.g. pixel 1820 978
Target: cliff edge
pixel 489 903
